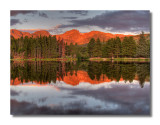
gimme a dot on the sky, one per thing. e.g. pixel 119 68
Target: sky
pixel 60 21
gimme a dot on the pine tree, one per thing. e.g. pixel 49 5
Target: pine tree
pixel 132 47
pixel 143 47
pixel 54 45
pixel 67 50
pixel 128 47
pixel 117 47
pixel 90 47
pixel 97 49
pixel 110 48
pixel 71 49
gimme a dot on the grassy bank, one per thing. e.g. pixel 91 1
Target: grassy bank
pixel 99 59
pixel 46 59
pixel 122 59
pixel 133 59
pixel 90 59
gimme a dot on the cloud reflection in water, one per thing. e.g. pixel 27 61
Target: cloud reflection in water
pixel 60 98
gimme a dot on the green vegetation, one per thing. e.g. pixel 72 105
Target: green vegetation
pixel 128 47
pixel 49 48
pixel 46 59
pixel 143 47
pixel 121 59
pixel 132 59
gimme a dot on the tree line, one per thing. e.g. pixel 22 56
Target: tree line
pixel 50 47
pixel 117 48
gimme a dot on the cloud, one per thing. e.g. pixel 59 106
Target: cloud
pixel 69 17
pixel 43 15
pixel 24 12
pixel 14 93
pixel 15 21
pixel 73 108
pixel 78 12
pixel 54 30
pixel 16 12
pixel 25 20
pixel 116 21
pixel 131 98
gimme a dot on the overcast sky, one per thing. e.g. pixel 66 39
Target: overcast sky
pixel 57 22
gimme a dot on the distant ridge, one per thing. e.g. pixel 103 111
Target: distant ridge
pixel 18 34
pixel 72 36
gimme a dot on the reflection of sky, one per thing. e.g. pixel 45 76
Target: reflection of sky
pixel 105 98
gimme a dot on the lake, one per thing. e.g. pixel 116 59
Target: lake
pixel 80 88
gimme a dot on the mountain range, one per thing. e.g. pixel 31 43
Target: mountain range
pixel 73 36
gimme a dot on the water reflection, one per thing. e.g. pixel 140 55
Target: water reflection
pixel 75 72
pixel 80 88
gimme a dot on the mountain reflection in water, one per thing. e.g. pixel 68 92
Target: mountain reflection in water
pixel 80 88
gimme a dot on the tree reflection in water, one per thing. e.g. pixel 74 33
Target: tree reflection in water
pixel 50 71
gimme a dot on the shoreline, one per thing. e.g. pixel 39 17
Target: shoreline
pixel 121 59
pixel 90 59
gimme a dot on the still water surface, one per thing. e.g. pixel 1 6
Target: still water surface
pixel 85 88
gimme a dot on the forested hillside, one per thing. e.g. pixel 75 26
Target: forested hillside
pixel 51 47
